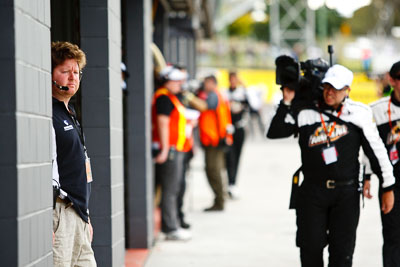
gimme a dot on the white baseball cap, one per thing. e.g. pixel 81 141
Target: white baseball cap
pixel 172 74
pixel 338 76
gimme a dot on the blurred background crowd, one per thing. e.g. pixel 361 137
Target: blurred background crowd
pixel 251 34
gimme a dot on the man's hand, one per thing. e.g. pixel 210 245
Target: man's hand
pixel 91 231
pixel 229 141
pixel 288 95
pixel 387 201
pixel 367 189
pixel 162 157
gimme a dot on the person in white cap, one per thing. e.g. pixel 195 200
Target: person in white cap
pixel 387 116
pixel 331 133
pixel 169 137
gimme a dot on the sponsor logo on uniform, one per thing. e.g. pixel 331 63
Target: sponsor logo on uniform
pixel 68 128
pixel 394 134
pixel 319 137
pixel 66 122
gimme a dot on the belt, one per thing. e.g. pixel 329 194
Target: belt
pixel 331 184
pixel 66 201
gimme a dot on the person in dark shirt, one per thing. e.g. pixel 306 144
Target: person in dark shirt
pixel 72 177
pixel 386 113
pixel 331 132
pixel 239 105
pixel 169 137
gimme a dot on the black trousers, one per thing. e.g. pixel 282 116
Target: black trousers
pixel 169 175
pixel 391 232
pixel 232 155
pixel 327 217
pixel 182 187
pixel 255 115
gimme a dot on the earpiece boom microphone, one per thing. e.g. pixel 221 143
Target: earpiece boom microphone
pixel 65 88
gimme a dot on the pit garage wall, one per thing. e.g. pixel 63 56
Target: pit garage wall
pixel 139 180
pixel 100 23
pixel 25 144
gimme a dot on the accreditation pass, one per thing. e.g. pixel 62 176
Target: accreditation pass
pixel 329 154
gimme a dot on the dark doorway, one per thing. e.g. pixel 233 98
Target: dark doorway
pixel 65 26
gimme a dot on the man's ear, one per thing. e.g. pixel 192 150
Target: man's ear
pixel 391 81
pixel 348 90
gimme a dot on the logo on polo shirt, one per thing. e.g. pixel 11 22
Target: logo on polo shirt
pixel 68 127
pixel 319 137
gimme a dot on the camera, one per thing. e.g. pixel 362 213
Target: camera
pixel 303 77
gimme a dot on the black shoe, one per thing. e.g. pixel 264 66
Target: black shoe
pixel 215 208
pixel 185 225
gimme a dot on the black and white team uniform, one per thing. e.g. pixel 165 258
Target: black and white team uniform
pixel 69 159
pixel 327 207
pixel 389 131
pixel 239 107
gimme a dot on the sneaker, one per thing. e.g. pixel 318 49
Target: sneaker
pixel 232 192
pixel 179 235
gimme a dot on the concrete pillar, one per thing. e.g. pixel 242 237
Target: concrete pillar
pixel 139 180
pixel 102 124
pixel 25 147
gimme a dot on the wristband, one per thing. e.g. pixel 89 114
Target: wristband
pixel 287 103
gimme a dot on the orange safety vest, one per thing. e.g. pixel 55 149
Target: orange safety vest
pixel 177 121
pixel 188 144
pixel 213 124
pixel 189 140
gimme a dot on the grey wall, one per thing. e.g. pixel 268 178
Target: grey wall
pixel 182 44
pixel 161 30
pixel 139 180
pixel 102 124
pixel 25 119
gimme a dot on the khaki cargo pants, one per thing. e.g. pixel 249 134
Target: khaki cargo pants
pixel 72 245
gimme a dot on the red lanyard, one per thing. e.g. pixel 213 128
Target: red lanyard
pixel 390 114
pixel 333 126
pixel 390 121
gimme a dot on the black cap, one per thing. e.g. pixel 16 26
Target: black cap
pixel 395 69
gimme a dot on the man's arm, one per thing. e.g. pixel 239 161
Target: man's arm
pixel 163 132
pixel 195 102
pixel 376 152
pixel 54 159
pixel 282 123
pixel 367 177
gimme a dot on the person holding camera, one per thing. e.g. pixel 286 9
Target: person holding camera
pixel 72 176
pixel 386 113
pixel 331 131
pixel 169 138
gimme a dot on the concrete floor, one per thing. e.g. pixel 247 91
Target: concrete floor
pixel 258 229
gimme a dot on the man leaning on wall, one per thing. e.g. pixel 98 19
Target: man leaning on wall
pixel 72 177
